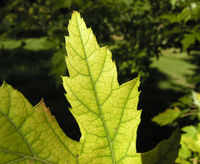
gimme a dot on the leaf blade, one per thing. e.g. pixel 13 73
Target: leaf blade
pixel 167 117
pixel 93 92
pixel 34 133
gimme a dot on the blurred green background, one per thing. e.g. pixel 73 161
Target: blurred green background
pixel 158 40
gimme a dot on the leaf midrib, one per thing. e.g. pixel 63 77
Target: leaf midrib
pixel 96 98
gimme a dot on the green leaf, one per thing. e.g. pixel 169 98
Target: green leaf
pixel 196 98
pixel 165 152
pixel 188 40
pixel 183 154
pixel 191 137
pixel 197 35
pixel 190 131
pixel 173 3
pixel 30 134
pixel 182 161
pixel 167 117
pixel 105 111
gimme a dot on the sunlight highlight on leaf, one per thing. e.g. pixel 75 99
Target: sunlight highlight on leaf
pixel 30 134
pixel 105 111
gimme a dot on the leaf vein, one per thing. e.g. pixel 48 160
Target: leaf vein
pixel 97 101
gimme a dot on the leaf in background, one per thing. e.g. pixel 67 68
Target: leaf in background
pixel 165 152
pixel 30 134
pixel 191 137
pixel 32 44
pixel 197 34
pixel 167 117
pixel 183 154
pixel 58 67
pixel 188 40
pixel 173 3
pixel 185 15
pixel 190 131
pixel 105 111
pixel 196 99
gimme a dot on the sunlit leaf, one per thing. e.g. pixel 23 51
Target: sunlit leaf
pixel 105 111
pixel 188 40
pixel 191 137
pixel 30 134
pixel 167 117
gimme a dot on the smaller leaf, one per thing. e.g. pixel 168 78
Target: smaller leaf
pixel 190 131
pixel 197 35
pixel 167 117
pixel 184 152
pixel 165 152
pixel 188 40
pixel 196 98
pixel 182 161
pixel 191 138
pixel 191 143
pixel 173 3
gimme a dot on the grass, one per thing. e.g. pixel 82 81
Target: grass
pixel 176 66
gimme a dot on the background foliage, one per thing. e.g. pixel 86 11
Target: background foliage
pixel 139 33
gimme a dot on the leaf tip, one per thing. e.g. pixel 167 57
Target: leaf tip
pixel 3 84
pixel 76 14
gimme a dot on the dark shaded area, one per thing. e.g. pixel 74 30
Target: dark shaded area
pixel 168 151
pixel 154 100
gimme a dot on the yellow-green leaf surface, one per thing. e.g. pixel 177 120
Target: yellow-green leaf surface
pixel 30 134
pixel 105 111
pixel 191 137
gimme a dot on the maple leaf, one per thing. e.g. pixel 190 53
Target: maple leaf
pixel 105 111
pixel 30 134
